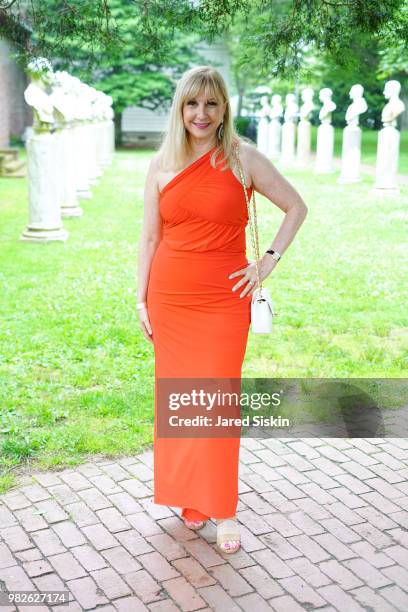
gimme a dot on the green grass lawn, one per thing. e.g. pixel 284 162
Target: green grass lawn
pixel 76 372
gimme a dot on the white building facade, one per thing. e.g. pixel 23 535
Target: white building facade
pixel 144 128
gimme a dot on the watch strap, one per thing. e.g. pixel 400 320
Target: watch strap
pixel 274 254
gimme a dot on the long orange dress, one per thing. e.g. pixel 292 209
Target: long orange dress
pixel 200 327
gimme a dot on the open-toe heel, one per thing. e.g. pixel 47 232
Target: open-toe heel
pixel 194 525
pixel 228 531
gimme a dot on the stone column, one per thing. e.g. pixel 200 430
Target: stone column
pixel 81 162
pixel 303 143
pixel 351 155
pixel 289 129
pixel 304 127
pixel 70 205
pixel 91 144
pixel 97 143
pixel 108 140
pixel 45 223
pixel 100 143
pixel 386 172
pixel 288 142
pixel 351 147
pixel 274 138
pixel 262 136
pixel 325 134
pixel 324 149
pixel 112 139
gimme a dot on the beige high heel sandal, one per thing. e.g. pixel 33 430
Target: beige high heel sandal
pixel 227 531
pixel 194 525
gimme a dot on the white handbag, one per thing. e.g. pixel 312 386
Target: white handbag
pixel 262 311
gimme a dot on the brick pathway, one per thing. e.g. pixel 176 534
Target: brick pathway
pixel 324 526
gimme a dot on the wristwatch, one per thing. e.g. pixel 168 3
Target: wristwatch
pixel 274 254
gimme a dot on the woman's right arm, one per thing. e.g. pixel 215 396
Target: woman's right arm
pixel 149 241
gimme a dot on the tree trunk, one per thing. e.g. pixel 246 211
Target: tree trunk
pixel 240 85
pixel 240 102
pixel 118 129
pixel 404 115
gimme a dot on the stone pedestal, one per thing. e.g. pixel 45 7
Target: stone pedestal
pixel 386 172
pixel 70 205
pixel 303 143
pixel 262 137
pixel 106 140
pixel 324 149
pixel 97 148
pixel 112 139
pixel 91 144
pixel 351 155
pixel 45 223
pixel 59 166
pixel 288 142
pixel 100 143
pixel 274 138
pixel 81 163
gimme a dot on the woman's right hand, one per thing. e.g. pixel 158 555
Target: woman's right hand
pixel 145 324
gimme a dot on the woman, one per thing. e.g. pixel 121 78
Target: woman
pixel 195 283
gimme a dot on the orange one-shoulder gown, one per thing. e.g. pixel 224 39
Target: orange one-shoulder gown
pixel 200 327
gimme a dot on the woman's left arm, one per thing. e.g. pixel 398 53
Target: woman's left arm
pixel 270 183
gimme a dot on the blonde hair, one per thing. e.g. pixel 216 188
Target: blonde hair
pixel 174 149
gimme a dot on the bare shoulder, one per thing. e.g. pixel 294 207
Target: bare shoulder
pixel 251 159
pixel 155 162
pixel 251 156
pixel 246 149
pixel 152 177
pixel 153 173
pixel 266 179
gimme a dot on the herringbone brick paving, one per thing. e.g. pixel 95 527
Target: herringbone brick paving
pixel 324 526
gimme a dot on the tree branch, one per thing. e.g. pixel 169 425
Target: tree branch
pixel 5 7
pixel 336 4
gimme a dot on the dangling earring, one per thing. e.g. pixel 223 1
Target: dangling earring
pixel 220 131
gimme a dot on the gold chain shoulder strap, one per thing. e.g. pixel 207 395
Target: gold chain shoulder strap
pixel 252 223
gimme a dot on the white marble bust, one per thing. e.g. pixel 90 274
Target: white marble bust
pixel 37 93
pixel 99 105
pixel 307 107
pixel 265 108
pixel 292 109
pixel 325 96
pixel 83 110
pixel 395 106
pixel 109 110
pixel 276 111
pixel 62 95
pixel 358 105
pixel 93 103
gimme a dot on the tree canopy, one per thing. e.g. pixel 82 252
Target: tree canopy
pixel 135 49
pixel 275 36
